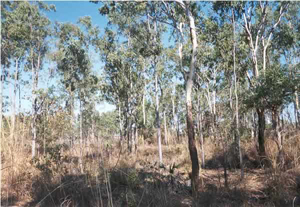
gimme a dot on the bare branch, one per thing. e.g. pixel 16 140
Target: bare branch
pixel 281 13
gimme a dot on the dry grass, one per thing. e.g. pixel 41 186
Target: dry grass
pixel 113 177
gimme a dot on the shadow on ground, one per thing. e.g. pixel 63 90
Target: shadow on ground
pixel 131 187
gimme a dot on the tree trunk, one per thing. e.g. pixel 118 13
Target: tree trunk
pixel 175 117
pixel 237 131
pixel 13 125
pixel 158 131
pixel 276 128
pixel 297 111
pixel 191 138
pixel 81 137
pixel 35 76
pixel 158 119
pixel 253 126
pixel 214 107
pixel 144 113
pixel 200 129
pixel 134 138
pixel 180 47
pixel 128 131
pixel 144 119
pixel 261 132
pixel 1 99
pixel 166 130
pixel 230 95
pixel 189 106
pixel 137 138
pixel 120 121
pixel 20 98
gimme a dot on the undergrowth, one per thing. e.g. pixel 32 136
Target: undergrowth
pixel 118 178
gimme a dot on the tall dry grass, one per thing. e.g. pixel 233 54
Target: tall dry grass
pixel 113 177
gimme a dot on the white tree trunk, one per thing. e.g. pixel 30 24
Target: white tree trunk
pixel 81 137
pixel 14 100
pixel 200 129
pixel 35 76
pixel 189 106
pixel 158 119
pixel 144 113
pixel 236 100
pixel 166 130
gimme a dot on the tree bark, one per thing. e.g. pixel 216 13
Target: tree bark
pixel 158 130
pixel 175 117
pixel 137 138
pixel 276 128
pixel 214 107
pixel 1 99
pixel 191 137
pixel 14 100
pixel 189 106
pixel 261 132
pixel 134 138
pixel 166 130
pixel 120 121
pixel 237 130
pixel 144 113
pixel 35 76
pixel 81 137
pixel 253 126
pixel 144 119
pixel 297 111
pixel 157 118
pixel 201 133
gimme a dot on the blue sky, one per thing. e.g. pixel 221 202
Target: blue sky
pixel 71 11
pixel 66 11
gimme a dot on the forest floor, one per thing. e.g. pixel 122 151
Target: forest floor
pixel 116 178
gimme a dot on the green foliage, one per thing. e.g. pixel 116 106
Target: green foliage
pixel 125 177
pixel 107 124
pixel 272 90
pixel 50 163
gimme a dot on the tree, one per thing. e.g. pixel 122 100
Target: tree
pixel 189 77
pixel 123 79
pixel 230 13
pixel 17 40
pixel 28 34
pixel 75 66
pixel 259 39
pixel 272 91
pixel 5 52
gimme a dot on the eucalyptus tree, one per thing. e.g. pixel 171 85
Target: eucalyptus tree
pixel 259 35
pixel 211 80
pixel 74 64
pixel 286 45
pixel 5 56
pixel 5 51
pixel 154 43
pixel 123 77
pixel 188 11
pixel 18 42
pixel 229 16
pixel 135 26
pixel 72 56
pixel 29 31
